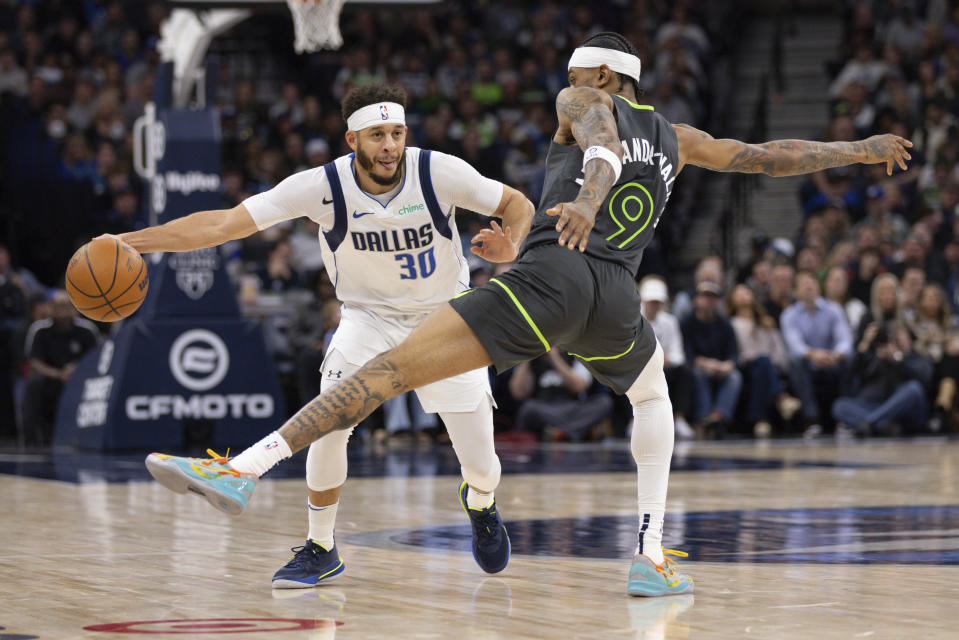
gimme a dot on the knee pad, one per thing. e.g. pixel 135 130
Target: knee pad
pixel 483 481
pixel 471 434
pixel 650 384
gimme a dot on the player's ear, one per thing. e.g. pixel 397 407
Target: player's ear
pixel 604 76
pixel 351 139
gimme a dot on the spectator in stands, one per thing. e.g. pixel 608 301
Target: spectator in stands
pixel 866 268
pixel 819 342
pixel 709 268
pixel 13 78
pixel 554 389
pixel 758 279
pixel 712 351
pixel 892 379
pixel 780 294
pixel 881 214
pixel 884 305
pixel 278 275
pixel 655 298
pixel 913 282
pixel 836 289
pixel 13 293
pixel 54 346
pixel 864 68
pixel 937 338
pixel 762 361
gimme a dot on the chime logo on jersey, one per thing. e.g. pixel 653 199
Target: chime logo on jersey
pixel 391 240
pixel 410 208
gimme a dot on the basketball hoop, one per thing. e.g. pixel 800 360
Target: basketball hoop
pixel 317 24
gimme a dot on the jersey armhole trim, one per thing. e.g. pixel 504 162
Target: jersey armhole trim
pixel 440 221
pixel 334 237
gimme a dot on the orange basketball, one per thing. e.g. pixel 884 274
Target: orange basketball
pixel 107 279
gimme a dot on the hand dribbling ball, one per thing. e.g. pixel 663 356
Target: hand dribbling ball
pixel 107 279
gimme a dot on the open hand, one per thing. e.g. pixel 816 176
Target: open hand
pixel 888 148
pixel 576 220
pixel 495 244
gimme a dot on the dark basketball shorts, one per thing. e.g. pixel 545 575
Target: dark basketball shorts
pixel 554 297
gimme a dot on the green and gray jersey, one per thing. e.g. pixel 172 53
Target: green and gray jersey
pixel 627 218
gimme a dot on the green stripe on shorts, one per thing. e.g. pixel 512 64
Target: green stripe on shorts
pixel 523 312
pixel 585 359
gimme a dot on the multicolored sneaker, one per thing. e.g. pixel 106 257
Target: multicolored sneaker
pixel 648 579
pixel 310 565
pixel 225 488
pixel 490 540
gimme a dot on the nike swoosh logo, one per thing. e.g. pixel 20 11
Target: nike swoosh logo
pixel 325 201
pixel 360 215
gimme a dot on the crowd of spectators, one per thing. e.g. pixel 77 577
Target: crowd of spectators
pixel 851 326
pixel 481 79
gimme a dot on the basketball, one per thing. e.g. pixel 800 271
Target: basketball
pixel 107 280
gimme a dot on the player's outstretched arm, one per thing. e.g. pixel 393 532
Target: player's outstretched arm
pixel 786 157
pixel 195 231
pixel 586 119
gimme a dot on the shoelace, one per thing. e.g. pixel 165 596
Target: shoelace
pixel 666 568
pixel 486 520
pixel 304 554
pixel 301 555
pixel 221 460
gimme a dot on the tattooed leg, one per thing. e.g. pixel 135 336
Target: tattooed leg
pixel 441 347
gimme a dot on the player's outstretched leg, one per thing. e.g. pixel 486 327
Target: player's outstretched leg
pixel 490 540
pixel 441 347
pixel 651 573
pixel 310 565
pixel 224 487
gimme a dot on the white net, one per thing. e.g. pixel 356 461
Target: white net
pixel 317 24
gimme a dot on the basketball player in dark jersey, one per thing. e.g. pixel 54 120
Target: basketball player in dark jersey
pixel 610 170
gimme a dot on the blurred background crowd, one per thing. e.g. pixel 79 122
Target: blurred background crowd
pixel 847 328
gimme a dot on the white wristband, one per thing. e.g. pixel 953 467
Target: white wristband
pixel 602 153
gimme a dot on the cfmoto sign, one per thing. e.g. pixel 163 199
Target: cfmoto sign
pixel 199 359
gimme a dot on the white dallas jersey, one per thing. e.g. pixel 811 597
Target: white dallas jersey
pixel 404 256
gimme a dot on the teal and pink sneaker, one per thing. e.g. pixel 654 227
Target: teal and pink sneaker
pixel 649 579
pixel 225 488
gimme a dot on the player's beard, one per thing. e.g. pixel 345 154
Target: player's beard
pixel 366 163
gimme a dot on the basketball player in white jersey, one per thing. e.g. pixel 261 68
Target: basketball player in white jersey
pixel 391 247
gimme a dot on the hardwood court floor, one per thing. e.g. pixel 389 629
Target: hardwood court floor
pixel 787 541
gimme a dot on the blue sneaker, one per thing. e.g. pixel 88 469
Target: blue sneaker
pixel 225 488
pixel 490 540
pixel 648 579
pixel 310 565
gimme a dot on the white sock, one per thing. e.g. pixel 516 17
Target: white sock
pixel 477 500
pixel 263 455
pixel 651 535
pixel 322 520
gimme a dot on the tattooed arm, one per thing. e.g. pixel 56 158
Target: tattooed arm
pixel 786 157
pixel 586 119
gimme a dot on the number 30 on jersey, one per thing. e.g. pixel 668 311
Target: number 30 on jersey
pixel 413 266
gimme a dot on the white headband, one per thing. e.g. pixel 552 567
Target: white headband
pixel 618 61
pixel 374 114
